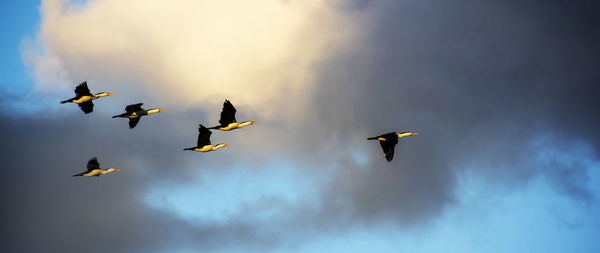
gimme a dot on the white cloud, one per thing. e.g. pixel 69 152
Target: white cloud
pixel 257 53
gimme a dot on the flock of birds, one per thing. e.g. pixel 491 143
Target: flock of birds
pixel 83 98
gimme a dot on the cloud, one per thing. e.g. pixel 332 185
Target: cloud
pixel 482 82
pixel 189 52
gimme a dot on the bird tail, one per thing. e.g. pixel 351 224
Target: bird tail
pixel 188 148
pixel 66 101
pixel 372 138
pixel 118 116
pixel 78 175
pixel 215 127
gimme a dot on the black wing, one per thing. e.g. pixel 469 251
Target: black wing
pixel 133 108
pixel 228 114
pixel 93 164
pixel 391 139
pixel 203 136
pixel 82 90
pixel 133 122
pixel 87 107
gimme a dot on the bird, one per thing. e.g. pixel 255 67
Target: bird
pixel 134 112
pixel 84 98
pixel 388 142
pixel 228 121
pixel 93 169
pixel 203 144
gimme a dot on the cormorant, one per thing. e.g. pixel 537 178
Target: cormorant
pixel 84 98
pixel 228 121
pixel 134 112
pixel 203 144
pixel 388 142
pixel 93 169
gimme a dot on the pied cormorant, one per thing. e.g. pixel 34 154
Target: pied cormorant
pixel 84 98
pixel 388 142
pixel 203 144
pixel 228 121
pixel 134 112
pixel 93 169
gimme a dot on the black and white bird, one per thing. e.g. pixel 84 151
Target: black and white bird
pixel 228 121
pixel 134 112
pixel 388 142
pixel 203 144
pixel 83 97
pixel 93 169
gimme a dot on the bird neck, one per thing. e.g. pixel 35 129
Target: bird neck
pixel 218 146
pixel 400 135
pixel 102 94
pixel 155 110
pixel 245 123
pixel 109 170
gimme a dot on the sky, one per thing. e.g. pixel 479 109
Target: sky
pixel 503 95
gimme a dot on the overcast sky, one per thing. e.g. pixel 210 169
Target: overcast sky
pixel 503 95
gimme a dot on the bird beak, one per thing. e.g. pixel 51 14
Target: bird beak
pixel 254 122
pixel 161 110
pixel 110 94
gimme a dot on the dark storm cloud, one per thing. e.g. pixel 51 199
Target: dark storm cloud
pixel 46 210
pixel 479 80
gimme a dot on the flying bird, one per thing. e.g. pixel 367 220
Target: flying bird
pixel 93 169
pixel 388 142
pixel 228 121
pixel 203 144
pixel 84 98
pixel 134 112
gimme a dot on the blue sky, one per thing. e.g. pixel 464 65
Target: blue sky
pixel 21 19
pixel 525 178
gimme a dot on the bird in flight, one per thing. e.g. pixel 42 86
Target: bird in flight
pixel 83 97
pixel 134 112
pixel 388 142
pixel 203 144
pixel 228 121
pixel 93 169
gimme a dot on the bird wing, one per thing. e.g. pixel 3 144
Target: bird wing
pixel 93 164
pixel 82 90
pixel 228 114
pixel 203 136
pixel 86 107
pixel 133 122
pixel 388 145
pixel 133 108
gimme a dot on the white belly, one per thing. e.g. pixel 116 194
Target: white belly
pixel 92 173
pixel 204 149
pixel 231 126
pixel 83 99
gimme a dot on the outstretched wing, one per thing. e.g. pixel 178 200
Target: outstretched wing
pixel 93 164
pixel 228 114
pixel 86 107
pixel 203 136
pixel 133 122
pixel 82 90
pixel 391 139
pixel 133 108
